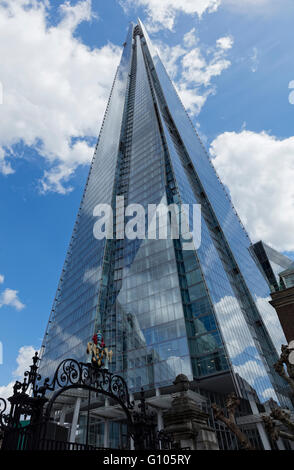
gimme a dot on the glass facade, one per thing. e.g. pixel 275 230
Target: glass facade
pixel 271 263
pixel 163 310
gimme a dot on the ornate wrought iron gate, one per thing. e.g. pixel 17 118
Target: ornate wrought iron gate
pixel 32 400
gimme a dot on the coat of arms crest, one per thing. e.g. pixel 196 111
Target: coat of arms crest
pixel 98 354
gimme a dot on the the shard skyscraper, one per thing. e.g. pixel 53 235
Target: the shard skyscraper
pixel 163 310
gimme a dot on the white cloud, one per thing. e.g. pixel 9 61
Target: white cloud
pixel 259 171
pixel 73 15
pixel 9 297
pixel 193 67
pixel 170 56
pixel 55 87
pixel 225 42
pixel 62 92
pixel 199 70
pixel 192 98
pixel 23 360
pixel 5 392
pixel 162 14
pixel 5 166
pixel 190 38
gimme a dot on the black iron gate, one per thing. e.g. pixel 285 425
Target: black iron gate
pixel 27 425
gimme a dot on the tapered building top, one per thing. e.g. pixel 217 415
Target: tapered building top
pixel 164 308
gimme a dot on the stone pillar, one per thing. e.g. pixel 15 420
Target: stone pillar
pixel 207 439
pixel 75 420
pixel 187 422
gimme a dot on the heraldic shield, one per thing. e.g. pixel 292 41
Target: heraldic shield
pixel 97 352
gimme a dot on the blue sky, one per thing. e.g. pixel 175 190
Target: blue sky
pixel 232 63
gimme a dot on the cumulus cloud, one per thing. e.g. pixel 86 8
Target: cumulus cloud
pixel 225 42
pixel 62 91
pixel 73 15
pixel 5 166
pixel 199 70
pixel 9 297
pixel 190 38
pixel 6 391
pixel 162 14
pixel 194 67
pixel 55 88
pixel 170 56
pixel 192 98
pixel 23 360
pixel 258 169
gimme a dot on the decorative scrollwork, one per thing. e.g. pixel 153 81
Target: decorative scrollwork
pixel 3 405
pixel 73 373
pixel 119 388
pixel 86 375
pixel 3 417
pixel 67 373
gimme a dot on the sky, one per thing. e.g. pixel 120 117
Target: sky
pixel 232 64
